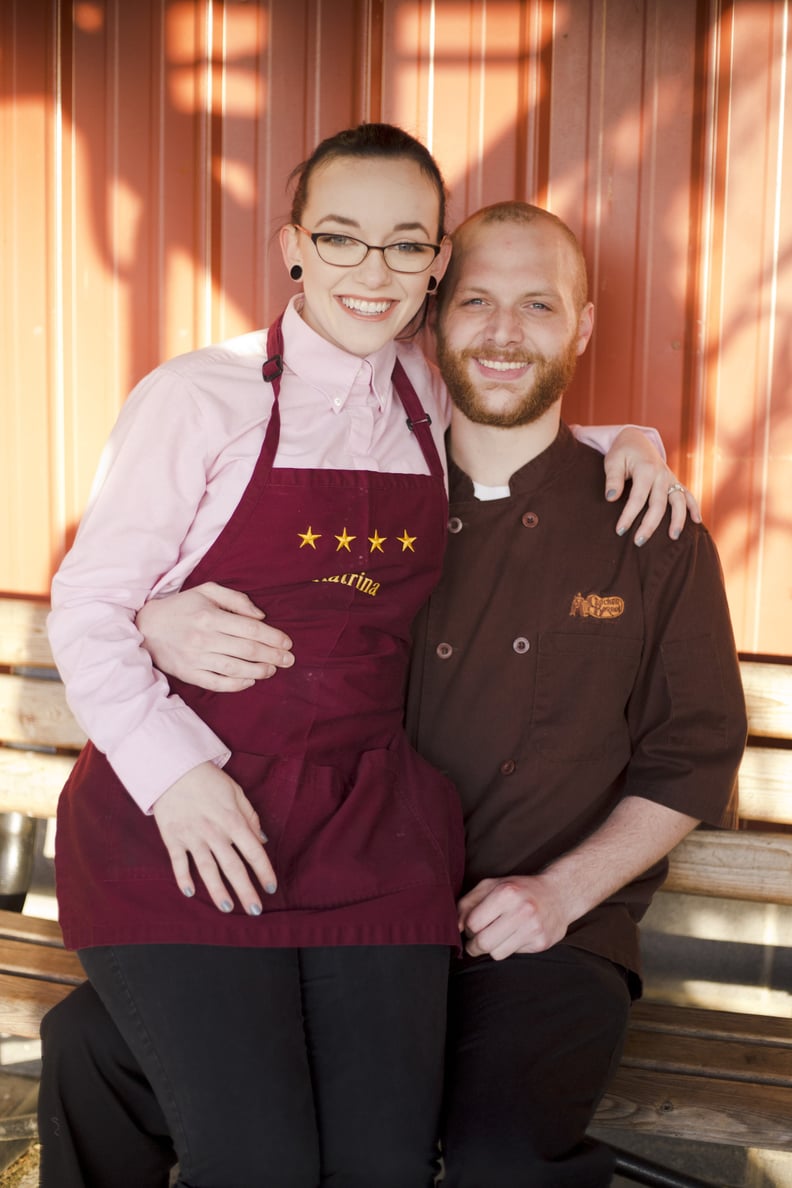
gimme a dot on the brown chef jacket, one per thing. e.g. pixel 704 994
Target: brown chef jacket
pixel 559 668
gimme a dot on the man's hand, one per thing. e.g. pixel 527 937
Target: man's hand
pixel 530 913
pixel 206 816
pixel 213 637
pixel 519 914
pixel 632 456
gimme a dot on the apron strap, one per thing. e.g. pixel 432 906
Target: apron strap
pixel 271 371
pixel 418 420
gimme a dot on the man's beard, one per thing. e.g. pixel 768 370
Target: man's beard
pixel 547 381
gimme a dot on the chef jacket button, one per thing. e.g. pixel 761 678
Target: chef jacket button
pixel 529 519
pixel 508 767
pixel 455 524
pixel 444 650
pixel 520 645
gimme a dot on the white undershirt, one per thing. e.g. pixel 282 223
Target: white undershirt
pixel 485 493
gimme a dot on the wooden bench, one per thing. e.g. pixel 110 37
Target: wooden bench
pixel 36 972
pixel 711 1075
pixel 39 741
pixel 707 1075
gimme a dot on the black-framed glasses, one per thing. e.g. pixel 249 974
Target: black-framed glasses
pixel 347 252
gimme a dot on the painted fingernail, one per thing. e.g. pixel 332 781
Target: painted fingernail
pixel 226 906
pixel 255 909
pixel 640 540
pixel 270 888
pixel 675 535
pixel 188 891
pixel 263 836
pixel 620 531
pixel 610 494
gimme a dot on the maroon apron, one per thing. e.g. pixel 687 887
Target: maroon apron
pixel 365 837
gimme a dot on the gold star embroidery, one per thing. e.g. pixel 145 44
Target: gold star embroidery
pixel 344 541
pixel 377 542
pixel 407 542
pixel 308 537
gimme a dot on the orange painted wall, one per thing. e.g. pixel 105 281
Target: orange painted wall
pixel 144 151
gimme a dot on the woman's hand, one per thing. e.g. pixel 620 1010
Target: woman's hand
pixel 213 637
pixel 632 456
pixel 206 816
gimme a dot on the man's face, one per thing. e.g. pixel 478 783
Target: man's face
pixel 510 333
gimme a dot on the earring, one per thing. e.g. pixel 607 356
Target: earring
pixel 432 284
pixel 295 272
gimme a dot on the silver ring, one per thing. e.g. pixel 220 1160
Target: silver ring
pixel 675 487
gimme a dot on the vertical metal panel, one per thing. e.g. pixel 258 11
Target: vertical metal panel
pixel 26 315
pixel 144 155
pixel 743 428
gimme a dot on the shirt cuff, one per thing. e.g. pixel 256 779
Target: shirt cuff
pixel 162 749
pixel 602 437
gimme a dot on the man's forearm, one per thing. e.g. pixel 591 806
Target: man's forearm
pixel 636 835
pixel 531 913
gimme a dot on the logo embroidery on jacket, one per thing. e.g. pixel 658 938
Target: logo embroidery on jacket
pixel 594 606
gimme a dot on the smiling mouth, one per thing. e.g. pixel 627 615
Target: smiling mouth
pixel 503 365
pixel 368 309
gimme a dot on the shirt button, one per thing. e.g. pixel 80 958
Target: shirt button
pixel 455 524
pixel 520 645
pixel 529 519
pixel 444 650
pixel 508 767
pixel 338 401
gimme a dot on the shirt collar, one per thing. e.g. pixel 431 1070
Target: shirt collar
pixel 542 470
pixel 327 368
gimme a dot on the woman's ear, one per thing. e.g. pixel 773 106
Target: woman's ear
pixel 441 259
pixel 289 238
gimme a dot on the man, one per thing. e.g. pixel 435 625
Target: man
pixel 584 696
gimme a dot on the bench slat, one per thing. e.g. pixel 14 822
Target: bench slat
pixel 23 633
pixel 31 781
pixel 26 1001
pixel 768 695
pixel 35 713
pixel 726 1059
pixel 665 1019
pixel 42 961
pixel 699 1109
pixel 751 866
pixel 30 928
pixel 766 785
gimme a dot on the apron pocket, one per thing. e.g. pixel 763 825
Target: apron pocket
pixel 392 824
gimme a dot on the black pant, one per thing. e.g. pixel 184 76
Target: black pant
pixel 281 1067
pixel 532 1041
pixel 531 1044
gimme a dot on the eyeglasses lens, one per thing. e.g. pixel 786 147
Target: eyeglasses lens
pixel 347 252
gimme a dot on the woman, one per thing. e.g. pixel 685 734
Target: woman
pixel 296 1033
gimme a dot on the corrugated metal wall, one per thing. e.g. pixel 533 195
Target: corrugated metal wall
pixel 144 150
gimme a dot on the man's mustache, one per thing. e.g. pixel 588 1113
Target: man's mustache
pixel 519 358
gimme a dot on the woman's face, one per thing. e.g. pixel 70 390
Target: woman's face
pixel 380 201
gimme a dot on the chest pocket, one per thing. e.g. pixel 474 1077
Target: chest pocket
pixel 583 684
